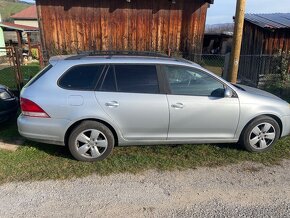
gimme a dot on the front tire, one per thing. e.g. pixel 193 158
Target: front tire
pixel 91 141
pixel 261 134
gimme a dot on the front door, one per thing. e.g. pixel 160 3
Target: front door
pixel 198 108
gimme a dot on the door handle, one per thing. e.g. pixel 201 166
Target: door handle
pixel 177 106
pixel 112 104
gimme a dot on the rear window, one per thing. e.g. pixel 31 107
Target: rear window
pixel 81 77
pixel 37 76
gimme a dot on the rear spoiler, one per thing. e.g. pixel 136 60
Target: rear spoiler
pixel 53 60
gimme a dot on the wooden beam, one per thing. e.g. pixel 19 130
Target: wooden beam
pixel 19 38
pixel 237 41
pixel 210 1
pixel 29 43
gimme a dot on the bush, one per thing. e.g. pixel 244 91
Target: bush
pixel 279 81
pixel 34 53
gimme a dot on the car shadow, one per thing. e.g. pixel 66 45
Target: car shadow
pixel 9 134
pixel 50 149
pixel 232 146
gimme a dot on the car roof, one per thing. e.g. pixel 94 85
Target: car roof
pixel 114 59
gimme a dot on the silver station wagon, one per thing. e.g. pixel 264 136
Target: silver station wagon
pixel 92 103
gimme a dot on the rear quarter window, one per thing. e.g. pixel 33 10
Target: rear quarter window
pixel 40 74
pixel 81 77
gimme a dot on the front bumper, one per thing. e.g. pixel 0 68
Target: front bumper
pixel 45 130
pixel 286 126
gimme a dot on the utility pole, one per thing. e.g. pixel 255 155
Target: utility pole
pixel 237 41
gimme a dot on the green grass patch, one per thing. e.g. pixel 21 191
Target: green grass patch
pixel 7 75
pixel 8 8
pixel 36 161
pixel 216 70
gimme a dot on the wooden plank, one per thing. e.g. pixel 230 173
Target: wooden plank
pixel 113 24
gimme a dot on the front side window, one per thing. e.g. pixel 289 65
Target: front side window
pixel 81 77
pixel 189 81
pixel 131 79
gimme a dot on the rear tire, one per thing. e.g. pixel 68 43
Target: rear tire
pixel 261 134
pixel 91 141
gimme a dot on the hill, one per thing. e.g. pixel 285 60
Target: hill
pixel 8 8
pixel 219 28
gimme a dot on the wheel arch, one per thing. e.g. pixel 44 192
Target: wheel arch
pixel 75 124
pixel 276 118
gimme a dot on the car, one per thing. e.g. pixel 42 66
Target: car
pixel 93 102
pixel 8 104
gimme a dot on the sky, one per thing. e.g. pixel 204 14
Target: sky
pixel 222 11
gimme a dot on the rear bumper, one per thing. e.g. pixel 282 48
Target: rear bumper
pixel 286 126
pixel 45 130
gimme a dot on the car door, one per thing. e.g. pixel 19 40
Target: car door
pixel 131 97
pixel 198 108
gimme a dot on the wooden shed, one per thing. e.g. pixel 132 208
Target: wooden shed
pixel 264 35
pixel 141 25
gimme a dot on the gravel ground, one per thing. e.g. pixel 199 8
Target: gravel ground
pixel 242 190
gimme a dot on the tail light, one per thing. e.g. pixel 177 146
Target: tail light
pixel 31 109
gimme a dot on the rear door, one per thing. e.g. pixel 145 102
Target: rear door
pixel 130 95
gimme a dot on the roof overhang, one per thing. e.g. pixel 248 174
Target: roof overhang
pixel 210 1
pixel 274 21
pixel 17 27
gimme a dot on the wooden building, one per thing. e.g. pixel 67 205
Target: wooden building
pixel 27 17
pixel 264 35
pixel 141 25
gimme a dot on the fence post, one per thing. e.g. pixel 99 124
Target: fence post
pixel 226 66
pixel 40 56
pixel 18 74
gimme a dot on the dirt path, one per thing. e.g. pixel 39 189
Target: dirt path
pixel 234 191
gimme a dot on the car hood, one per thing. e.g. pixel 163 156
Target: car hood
pixel 259 92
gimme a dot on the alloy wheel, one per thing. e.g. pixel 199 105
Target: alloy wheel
pixel 262 136
pixel 91 143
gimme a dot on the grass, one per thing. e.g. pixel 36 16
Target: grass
pixel 7 75
pixel 217 70
pixel 36 161
pixel 8 8
pixel 213 63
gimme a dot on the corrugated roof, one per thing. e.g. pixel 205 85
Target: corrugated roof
pixel 28 13
pixel 270 21
pixel 19 27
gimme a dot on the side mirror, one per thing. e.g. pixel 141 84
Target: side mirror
pixel 228 93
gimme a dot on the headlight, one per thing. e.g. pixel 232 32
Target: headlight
pixel 4 94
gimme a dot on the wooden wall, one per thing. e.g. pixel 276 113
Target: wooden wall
pixel 143 25
pixel 258 47
pixel 260 41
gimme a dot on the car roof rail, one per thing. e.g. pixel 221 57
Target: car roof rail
pixel 109 53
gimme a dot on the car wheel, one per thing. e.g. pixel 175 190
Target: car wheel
pixel 261 134
pixel 91 141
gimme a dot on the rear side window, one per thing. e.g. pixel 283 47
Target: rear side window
pixel 131 79
pixel 81 77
